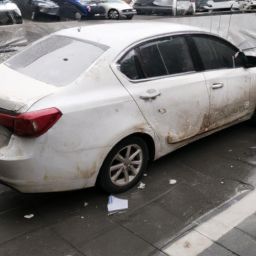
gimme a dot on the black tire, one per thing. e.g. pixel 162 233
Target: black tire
pixel 252 121
pixel 105 179
pixel 129 17
pixel 113 14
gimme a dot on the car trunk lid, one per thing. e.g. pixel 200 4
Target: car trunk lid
pixel 18 92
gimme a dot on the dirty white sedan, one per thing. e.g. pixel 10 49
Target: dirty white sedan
pixel 95 104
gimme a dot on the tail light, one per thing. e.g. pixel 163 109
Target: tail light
pixel 31 124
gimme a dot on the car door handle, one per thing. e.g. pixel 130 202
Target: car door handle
pixel 217 86
pixel 150 94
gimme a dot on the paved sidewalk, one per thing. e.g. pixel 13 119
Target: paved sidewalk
pixel 230 232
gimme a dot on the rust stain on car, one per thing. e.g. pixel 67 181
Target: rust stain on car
pixel 140 127
pixel 86 174
pixel 205 124
pixel 187 130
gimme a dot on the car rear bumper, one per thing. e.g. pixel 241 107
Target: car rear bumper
pixel 32 166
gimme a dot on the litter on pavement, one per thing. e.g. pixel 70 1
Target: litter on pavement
pixel 142 185
pixel 29 216
pixel 116 204
pixel 172 181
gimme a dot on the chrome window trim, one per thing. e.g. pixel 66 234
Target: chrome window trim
pixel 122 54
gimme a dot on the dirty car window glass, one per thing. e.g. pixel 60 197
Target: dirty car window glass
pixel 152 62
pixel 130 66
pixel 56 60
pixel 176 55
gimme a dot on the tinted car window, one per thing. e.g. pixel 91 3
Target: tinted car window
pixel 56 60
pixel 151 60
pixel 215 53
pixel 176 56
pixel 130 66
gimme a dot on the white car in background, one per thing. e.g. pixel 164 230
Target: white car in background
pixel 179 7
pixel 221 5
pixel 247 5
pixel 97 103
pixel 116 9
pixel 9 13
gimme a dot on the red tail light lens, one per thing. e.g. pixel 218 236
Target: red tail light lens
pixel 31 124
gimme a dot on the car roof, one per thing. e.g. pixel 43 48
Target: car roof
pixel 120 35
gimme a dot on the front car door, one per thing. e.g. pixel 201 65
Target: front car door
pixel 160 76
pixel 228 82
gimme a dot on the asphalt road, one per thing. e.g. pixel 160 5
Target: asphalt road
pixel 214 171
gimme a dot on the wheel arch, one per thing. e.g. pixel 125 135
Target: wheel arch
pixel 147 139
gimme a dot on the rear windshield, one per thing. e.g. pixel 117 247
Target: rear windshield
pixel 57 60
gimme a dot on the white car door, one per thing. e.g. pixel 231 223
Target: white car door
pixel 228 82
pixel 161 77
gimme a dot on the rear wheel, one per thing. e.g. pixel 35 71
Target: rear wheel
pixel 124 165
pixel 113 14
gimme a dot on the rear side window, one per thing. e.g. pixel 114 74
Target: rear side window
pixel 151 60
pixel 57 60
pixel 130 66
pixel 215 53
pixel 166 56
pixel 176 55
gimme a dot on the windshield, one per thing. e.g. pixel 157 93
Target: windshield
pixel 57 60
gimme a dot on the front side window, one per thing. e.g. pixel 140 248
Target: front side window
pixel 161 57
pixel 216 54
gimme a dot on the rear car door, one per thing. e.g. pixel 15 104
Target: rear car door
pixel 173 97
pixel 228 82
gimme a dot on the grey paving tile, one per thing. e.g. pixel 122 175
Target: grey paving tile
pixel 157 253
pixel 83 228
pixel 117 242
pixel 40 243
pixel 13 224
pixel 239 243
pixel 185 202
pixel 249 226
pixel 154 224
pixel 216 250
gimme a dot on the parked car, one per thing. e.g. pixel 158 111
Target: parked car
pixel 182 7
pixel 247 5
pixel 221 5
pixel 116 9
pixel 33 9
pixel 43 7
pixel 96 103
pixel 77 9
pixel 9 13
pixel 200 5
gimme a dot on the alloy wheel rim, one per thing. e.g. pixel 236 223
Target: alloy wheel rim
pixel 113 14
pixel 126 165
